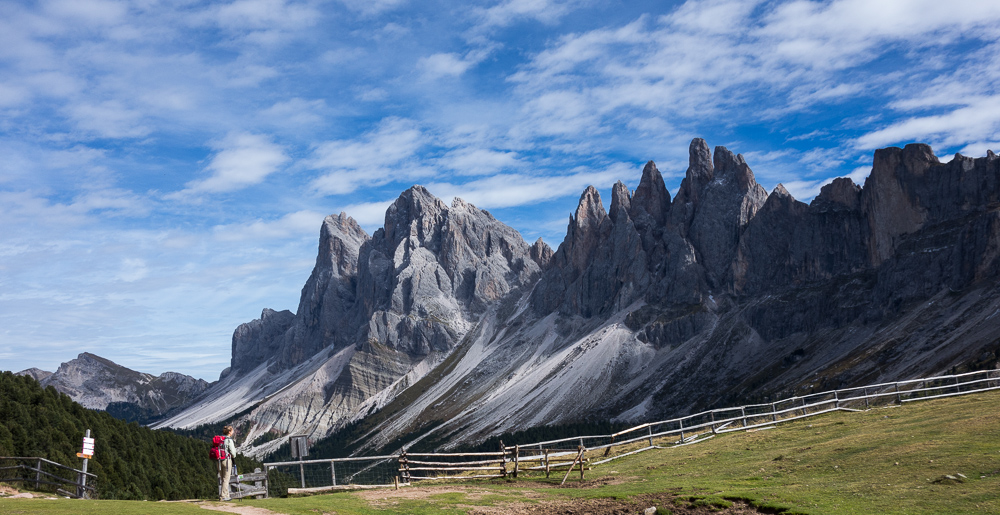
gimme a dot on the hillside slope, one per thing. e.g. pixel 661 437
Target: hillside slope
pixel 445 322
pixel 131 462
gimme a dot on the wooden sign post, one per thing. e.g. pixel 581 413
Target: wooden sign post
pixel 86 454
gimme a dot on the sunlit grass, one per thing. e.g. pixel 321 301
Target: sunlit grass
pixel 887 460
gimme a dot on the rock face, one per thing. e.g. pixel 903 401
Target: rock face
pixel 98 383
pixel 375 316
pixel 446 323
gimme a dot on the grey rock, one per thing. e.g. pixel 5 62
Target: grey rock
pixel 468 331
pixel 96 382
pixel 36 373
pixel 259 340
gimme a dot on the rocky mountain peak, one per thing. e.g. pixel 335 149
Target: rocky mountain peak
pixel 700 172
pixel 888 196
pixel 541 253
pixel 722 210
pixel 842 193
pixel 340 239
pixel 97 382
pixel 36 373
pixel 651 198
pixel 620 202
pixel 590 213
pixel 414 213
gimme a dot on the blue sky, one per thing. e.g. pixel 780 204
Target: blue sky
pixel 166 165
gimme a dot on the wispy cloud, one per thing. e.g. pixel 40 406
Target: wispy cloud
pixel 292 225
pixel 167 164
pixel 506 190
pixel 241 160
pixel 373 159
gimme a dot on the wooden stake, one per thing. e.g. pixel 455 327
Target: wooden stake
pixel 579 457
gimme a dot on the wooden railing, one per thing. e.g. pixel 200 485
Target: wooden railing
pixel 43 473
pixel 594 450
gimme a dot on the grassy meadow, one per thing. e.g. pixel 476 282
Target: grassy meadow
pixel 930 457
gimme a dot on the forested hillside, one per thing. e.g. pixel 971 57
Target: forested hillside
pixel 130 461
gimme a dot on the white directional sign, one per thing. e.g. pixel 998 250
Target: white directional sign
pixel 88 446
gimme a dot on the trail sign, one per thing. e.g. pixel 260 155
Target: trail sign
pixel 88 447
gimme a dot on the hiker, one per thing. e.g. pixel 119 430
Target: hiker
pixel 225 460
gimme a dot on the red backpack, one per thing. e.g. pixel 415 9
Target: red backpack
pixel 218 451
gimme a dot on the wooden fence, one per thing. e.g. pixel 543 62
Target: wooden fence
pixel 253 484
pixel 45 474
pixel 590 451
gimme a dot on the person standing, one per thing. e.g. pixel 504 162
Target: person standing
pixel 226 465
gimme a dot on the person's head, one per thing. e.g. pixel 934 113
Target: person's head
pixel 227 430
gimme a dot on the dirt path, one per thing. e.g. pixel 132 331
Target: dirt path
pixel 234 508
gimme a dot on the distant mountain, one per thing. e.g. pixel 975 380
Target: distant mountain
pixel 446 323
pixel 98 383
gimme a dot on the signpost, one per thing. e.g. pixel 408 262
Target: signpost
pixel 86 454
pixel 300 449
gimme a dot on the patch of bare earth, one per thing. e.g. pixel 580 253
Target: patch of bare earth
pixel 241 510
pixel 639 504
pixel 538 504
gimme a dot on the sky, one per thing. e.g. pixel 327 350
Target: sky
pixel 166 165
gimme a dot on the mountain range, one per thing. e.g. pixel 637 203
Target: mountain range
pixel 98 383
pixel 447 324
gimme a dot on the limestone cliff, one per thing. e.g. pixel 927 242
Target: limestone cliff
pixel 446 319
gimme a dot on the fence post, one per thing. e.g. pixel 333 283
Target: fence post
pixel 546 463
pixel 333 472
pixel 517 455
pixel 774 412
pixel 899 399
pixel 650 435
pixel 836 396
pixel 867 405
pixel 713 421
pixel 503 459
pixel 681 423
pixel 743 411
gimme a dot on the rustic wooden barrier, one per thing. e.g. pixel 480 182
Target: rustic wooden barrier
pixel 438 463
pixel 239 490
pixel 32 471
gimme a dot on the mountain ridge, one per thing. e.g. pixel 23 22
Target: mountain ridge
pixel 654 307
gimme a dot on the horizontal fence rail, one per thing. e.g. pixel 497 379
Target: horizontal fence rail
pixel 568 454
pixel 48 475
pixel 310 476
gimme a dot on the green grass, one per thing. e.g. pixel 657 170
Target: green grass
pixel 888 460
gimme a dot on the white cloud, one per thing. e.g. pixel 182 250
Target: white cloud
pixel 292 225
pixel 241 160
pixel 132 270
pixel 374 158
pixel 507 190
pixel 478 161
pixel 372 7
pixel 110 119
pixel 243 15
pixel 93 12
pixel 444 65
pixel 510 11
pixel 295 112
pixel 978 119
